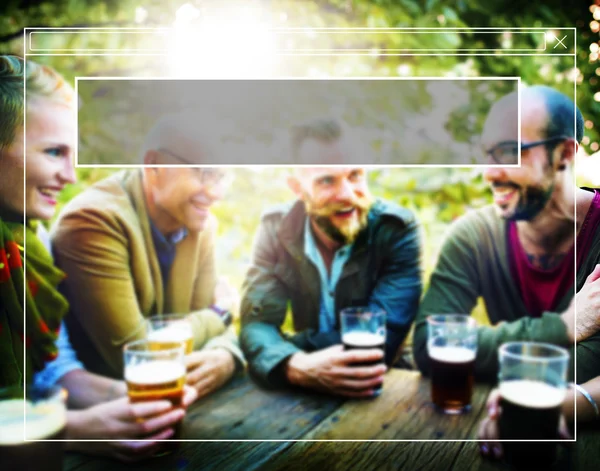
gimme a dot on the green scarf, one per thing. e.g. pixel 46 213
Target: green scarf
pixel 45 305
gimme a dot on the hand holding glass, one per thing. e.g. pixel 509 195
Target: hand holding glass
pixel 364 328
pixel 153 374
pixel 532 388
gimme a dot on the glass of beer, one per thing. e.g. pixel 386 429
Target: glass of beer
pixel 155 374
pixel 171 329
pixel 452 346
pixel 364 328
pixel 26 417
pixel 533 385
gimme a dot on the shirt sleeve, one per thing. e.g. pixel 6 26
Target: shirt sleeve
pixel 588 358
pixel 398 287
pixel 65 362
pixel 263 310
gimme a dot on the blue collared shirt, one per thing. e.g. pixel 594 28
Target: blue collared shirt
pixel 327 317
pixel 165 249
pixel 65 362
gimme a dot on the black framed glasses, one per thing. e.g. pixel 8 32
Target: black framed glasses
pixel 211 177
pixel 506 152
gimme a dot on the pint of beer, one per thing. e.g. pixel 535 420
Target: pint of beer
pixel 532 389
pixel 364 328
pixel 45 419
pixel 164 331
pixel 155 374
pixel 452 346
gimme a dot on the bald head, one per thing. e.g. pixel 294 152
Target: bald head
pixel 563 117
pixel 545 109
pixel 184 138
pixel 548 145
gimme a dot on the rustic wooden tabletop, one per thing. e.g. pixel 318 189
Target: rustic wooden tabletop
pixel 244 411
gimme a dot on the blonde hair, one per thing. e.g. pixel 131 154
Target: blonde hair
pixel 42 82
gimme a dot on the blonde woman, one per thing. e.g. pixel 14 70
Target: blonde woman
pixel 28 193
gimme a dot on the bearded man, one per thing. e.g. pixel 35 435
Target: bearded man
pixel 519 253
pixel 333 248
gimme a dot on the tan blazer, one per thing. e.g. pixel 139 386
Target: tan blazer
pixel 102 240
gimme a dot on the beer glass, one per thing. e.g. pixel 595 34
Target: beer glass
pixel 533 385
pixel 155 374
pixel 164 331
pixel 45 417
pixel 452 346
pixel 364 328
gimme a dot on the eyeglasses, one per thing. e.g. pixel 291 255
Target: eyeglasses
pixel 214 178
pixel 506 152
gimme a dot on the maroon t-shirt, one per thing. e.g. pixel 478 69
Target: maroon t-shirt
pixel 541 290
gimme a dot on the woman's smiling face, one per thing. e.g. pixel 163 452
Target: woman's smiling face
pixel 50 135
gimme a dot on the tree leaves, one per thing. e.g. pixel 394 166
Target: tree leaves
pixel 438 195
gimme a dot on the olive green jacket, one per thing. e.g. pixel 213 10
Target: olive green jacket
pixel 473 263
pixel 383 271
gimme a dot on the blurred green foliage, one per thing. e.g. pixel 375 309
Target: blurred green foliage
pixel 437 195
pixel 390 121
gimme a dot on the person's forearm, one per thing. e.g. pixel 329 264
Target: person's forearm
pixel 549 328
pixel 265 349
pixel 206 325
pixel 88 389
pixel 75 429
pixel 585 411
pixel 568 318
pixel 293 369
pixel 229 342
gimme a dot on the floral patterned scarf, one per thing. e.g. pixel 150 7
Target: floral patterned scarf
pixel 45 306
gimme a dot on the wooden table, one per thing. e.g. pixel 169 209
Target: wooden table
pixel 244 411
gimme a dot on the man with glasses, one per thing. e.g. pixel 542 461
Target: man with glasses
pixel 141 243
pixel 519 254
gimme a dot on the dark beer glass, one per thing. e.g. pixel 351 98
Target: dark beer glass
pixel 364 328
pixel 26 418
pixel 532 388
pixel 452 347
pixel 154 374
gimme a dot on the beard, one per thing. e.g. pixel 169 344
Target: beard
pixel 348 230
pixel 532 200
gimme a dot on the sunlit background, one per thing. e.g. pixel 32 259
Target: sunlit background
pixel 257 39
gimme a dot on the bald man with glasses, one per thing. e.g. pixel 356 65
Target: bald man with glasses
pixel 518 254
pixel 141 243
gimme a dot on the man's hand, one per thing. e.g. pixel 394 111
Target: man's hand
pixel 333 370
pixel 89 389
pixel 122 420
pixel 488 429
pixel 208 370
pixel 588 309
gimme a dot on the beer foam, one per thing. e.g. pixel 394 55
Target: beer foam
pixel 44 419
pixel 533 394
pixel 154 372
pixel 452 354
pixel 363 339
pixel 170 334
